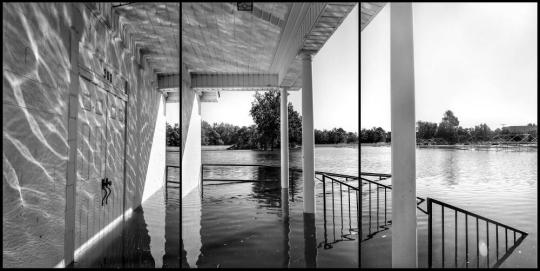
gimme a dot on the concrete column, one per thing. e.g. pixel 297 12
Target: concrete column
pixel 404 238
pixel 284 140
pixel 75 31
pixel 308 138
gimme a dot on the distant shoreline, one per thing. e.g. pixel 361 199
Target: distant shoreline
pixel 380 144
pixel 225 147
pixel 458 147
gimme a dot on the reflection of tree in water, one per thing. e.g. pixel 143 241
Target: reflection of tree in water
pixel 267 186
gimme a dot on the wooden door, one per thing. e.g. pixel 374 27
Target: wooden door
pixel 100 155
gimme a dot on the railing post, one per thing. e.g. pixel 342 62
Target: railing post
pixel 359 206
pixel 442 216
pixel 202 179
pixel 324 208
pixel 430 221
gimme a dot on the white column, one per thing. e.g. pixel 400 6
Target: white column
pixel 404 238
pixel 75 31
pixel 284 140
pixel 308 135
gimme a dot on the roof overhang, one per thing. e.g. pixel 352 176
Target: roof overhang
pixel 368 11
pixel 257 50
pixel 151 31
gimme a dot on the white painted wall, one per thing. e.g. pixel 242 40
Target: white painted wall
pixel 191 156
pixel 155 174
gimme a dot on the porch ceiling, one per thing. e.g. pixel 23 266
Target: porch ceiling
pixel 154 28
pixel 368 11
pixel 217 39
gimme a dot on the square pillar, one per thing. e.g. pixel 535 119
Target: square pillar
pixel 284 140
pixel 308 136
pixel 404 236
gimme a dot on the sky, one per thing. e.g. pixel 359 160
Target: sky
pixel 477 59
pixel 172 113
pixel 335 86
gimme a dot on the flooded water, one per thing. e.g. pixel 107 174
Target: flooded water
pixel 254 224
pixel 149 237
pixel 499 185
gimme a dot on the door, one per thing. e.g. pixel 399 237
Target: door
pixel 100 156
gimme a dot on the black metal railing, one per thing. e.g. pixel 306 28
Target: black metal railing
pixel 485 247
pixel 331 178
pixel 374 223
pixel 168 181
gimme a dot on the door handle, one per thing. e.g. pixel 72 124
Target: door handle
pixel 105 183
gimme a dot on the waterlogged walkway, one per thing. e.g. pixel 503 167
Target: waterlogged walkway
pixel 149 237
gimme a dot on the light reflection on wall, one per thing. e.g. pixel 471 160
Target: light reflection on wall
pixel 36 72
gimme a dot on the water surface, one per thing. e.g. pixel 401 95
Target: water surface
pixel 500 185
pixel 254 224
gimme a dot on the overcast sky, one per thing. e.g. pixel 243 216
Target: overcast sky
pixel 477 59
pixel 335 86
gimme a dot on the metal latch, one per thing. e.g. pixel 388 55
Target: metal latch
pixel 105 184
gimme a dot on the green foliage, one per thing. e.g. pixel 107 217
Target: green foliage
pixel 426 130
pixel 447 129
pixel 449 132
pixel 295 126
pixel 265 114
pixel 173 135
pixel 373 135
pixel 265 110
pixel 335 136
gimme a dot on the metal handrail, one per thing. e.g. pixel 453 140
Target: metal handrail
pixel 498 262
pixel 167 173
pixel 420 199
pixel 356 191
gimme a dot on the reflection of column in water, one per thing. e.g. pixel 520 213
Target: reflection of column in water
pixel 286 225
pixel 310 241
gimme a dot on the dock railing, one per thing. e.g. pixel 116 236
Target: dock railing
pixel 375 185
pixel 485 247
pixel 331 178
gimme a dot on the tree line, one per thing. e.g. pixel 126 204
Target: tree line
pixel 265 133
pixel 447 131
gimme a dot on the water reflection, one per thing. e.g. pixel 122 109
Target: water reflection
pixel 259 224
pixel 310 240
pixel 286 226
pixel 498 185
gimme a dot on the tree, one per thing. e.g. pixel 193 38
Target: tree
pixel 295 126
pixel 214 138
pixel 265 111
pixel 172 134
pixel 447 129
pixel 426 130
pixel 482 132
pixel 352 137
pixel 265 114
pixel 205 129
